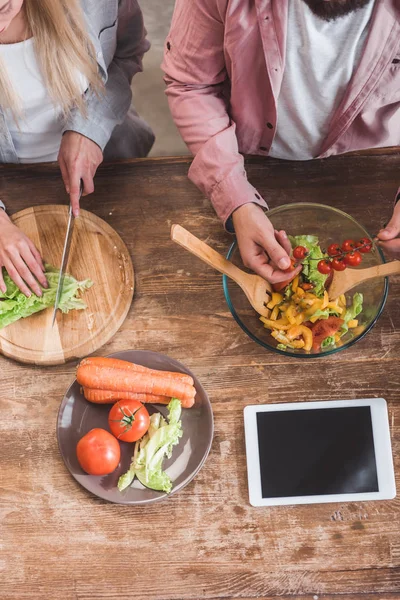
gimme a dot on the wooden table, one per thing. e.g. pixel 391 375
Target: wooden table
pixel 57 542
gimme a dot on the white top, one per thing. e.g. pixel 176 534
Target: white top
pixel 321 57
pixel 37 136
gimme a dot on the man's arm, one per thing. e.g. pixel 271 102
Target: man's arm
pixel 196 79
pixel 110 109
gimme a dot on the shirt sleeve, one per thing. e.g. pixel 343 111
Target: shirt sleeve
pixel 107 111
pixel 197 90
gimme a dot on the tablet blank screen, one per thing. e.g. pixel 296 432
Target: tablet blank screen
pixel 316 452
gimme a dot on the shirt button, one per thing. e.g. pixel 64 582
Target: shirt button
pixel 99 54
pixel 270 126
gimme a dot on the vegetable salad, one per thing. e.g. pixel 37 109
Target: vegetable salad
pixel 302 317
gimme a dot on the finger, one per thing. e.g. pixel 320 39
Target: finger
pixel 75 187
pixel 282 239
pixel 392 229
pixel 64 173
pixel 88 184
pixel 392 247
pixel 36 255
pixel 3 286
pixel 16 278
pixel 26 275
pixel 278 255
pixel 266 270
pixel 34 267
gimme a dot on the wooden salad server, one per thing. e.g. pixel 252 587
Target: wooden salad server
pixel 254 286
pixel 343 281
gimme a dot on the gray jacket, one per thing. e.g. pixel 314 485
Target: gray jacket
pixel 118 35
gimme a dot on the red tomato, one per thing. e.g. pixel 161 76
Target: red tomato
pixel 348 245
pixel 339 264
pixel 353 259
pixel 324 266
pixel 323 329
pixel 278 287
pixel 300 252
pixel 334 250
pixel 98 452
pixel 129 420
pixel 364 245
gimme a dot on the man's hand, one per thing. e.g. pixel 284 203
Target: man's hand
pixel 389 240
pixel 263 250
pixel 20 258
pixel 78 158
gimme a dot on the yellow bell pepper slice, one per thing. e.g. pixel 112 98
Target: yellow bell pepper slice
pixel 335 306
pixel 275 313
pixel 278 324
pixel 325 300
pixel 303 331
pixel 295 284
pixel 342 300
pixel 280 337
pixel 300 292
pixel 291 314
pixel 275 299
pixel 352 324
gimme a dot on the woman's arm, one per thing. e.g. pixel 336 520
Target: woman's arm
pixel 109 110
pixel 85 137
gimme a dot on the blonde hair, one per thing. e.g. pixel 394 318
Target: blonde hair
pixel 63 49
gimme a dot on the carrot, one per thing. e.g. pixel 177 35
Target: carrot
pixel 116 363
pixel 119 380
pixel 109 397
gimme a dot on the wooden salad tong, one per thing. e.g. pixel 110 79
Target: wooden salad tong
pixel 257 290
pixel 343 281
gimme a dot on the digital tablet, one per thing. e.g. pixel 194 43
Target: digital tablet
pixel 313 452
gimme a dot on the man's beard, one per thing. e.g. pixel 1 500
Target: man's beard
pixel 332 9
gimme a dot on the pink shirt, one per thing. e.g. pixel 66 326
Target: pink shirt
pixel 224 63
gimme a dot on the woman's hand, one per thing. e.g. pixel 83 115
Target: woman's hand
pixel 20 258
pixel 78 158
pixel 263 250
pixel 389 240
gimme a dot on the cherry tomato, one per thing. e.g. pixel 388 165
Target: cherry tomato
pixel 353 259
pixel 300 252
pixel 348 245
pixel 98 452
pixel 324 267
pixel 334 250
pixel 129 420
pixel 338 264
pixel 364 245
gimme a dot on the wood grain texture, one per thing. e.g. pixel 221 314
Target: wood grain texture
pixel 206 542
pixel 97 252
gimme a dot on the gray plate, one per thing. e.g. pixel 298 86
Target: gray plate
pixel 77 416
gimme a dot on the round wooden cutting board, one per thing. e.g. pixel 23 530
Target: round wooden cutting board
pixel 98 253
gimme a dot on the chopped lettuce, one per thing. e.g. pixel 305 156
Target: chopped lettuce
pixel 352 311
pixel 310 264
pixel 281 347
pixel 151 450
pixel 329 341
pixel 15 305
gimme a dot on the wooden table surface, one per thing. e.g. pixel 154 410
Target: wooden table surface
pixel 58 542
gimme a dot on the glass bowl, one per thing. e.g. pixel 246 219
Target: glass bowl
pixel 331 226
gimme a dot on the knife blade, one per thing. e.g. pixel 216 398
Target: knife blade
pixel 65 255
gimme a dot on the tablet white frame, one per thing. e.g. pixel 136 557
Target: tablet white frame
pixel 382 445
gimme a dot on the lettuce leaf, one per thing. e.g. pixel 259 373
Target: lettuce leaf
pixel 353 311
pixel 14 305
pixel 310 264
pixel 329 341
pixel 151 450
